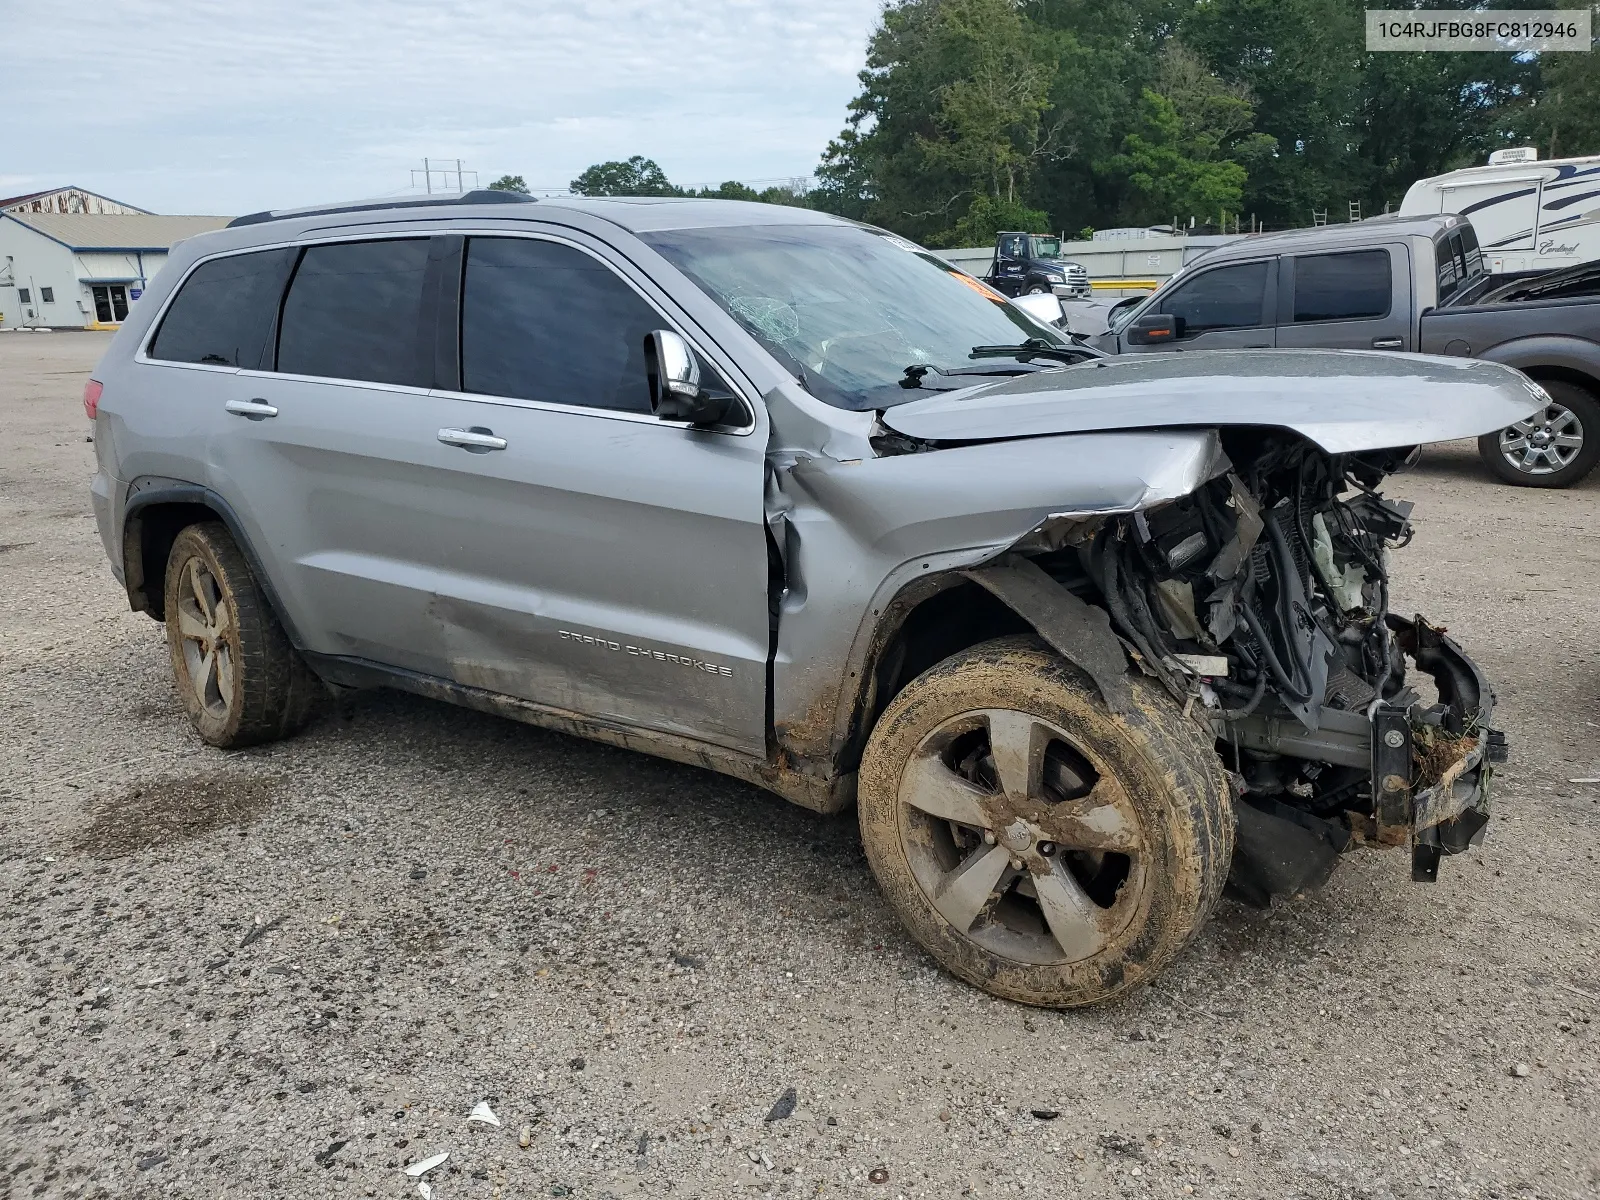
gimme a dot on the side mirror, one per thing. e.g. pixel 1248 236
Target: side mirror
pixel 1155 329
pixel 674 375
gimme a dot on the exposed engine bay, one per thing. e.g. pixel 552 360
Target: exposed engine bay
pixel 1262 599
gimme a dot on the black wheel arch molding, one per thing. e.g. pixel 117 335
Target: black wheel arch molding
pixel 155 508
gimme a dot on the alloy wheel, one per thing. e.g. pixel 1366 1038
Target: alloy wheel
pixel 1545 442
pixel 1020 840
pixel 206 626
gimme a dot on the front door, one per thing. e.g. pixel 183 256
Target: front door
pixel 1226 307
pixel 600 561
pixel 1011 264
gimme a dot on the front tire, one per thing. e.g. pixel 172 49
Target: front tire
pixel 240 680
pixel 1552 449
pixel 1038 846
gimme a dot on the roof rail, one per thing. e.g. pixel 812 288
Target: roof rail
pixel 476 196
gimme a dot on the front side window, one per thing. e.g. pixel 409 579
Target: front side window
pixel 1341 287
pixel 545 321
pixel 223 313
pixel 1013 247
pixel 1226 298
pixel 353 312
pixel 848 309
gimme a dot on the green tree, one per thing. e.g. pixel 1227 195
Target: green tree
pixel 509 183
pixel 1186 155
pixel 731 190
pixel 638 176
pixel 1565 121
pixel 954 107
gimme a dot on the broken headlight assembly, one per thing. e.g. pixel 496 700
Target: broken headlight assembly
pixel 1262 599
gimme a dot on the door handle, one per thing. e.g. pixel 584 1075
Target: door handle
pixel 1388 343
pixel 256 410
pixel 477 439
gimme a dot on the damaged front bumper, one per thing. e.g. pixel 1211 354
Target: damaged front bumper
pixel 1430 767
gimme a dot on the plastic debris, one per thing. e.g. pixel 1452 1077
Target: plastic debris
pixel 427 1164
pixel 784 1106
pixel 482 1112
pixel 1585 779
pixel 425 1191
pixel 525 1138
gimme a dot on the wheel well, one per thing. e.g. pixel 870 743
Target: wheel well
pixel 922 627
pixel 1564 375
pixel 146 541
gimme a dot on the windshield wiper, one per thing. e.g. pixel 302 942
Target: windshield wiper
pixel 916 375
pixel 1032 348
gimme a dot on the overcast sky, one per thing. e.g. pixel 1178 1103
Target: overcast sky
pixel 217 106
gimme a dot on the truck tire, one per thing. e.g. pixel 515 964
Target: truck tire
pixel 1553 449
pixel 1038 846
pixel 240 680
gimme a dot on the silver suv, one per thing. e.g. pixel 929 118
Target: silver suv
pixel 788 498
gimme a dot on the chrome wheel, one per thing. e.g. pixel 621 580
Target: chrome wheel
pixel 1544 443
pixel 206 627
pixel 1021 841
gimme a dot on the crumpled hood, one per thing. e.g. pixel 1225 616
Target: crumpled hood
pixel 1343 400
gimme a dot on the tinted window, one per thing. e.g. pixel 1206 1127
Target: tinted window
pixel 1449 273
pixel 1227 298
pixel 1335 287
pixel 543 321
pixel 223 313
pixel 352 313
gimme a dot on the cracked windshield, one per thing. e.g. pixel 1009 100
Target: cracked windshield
pixel 865 319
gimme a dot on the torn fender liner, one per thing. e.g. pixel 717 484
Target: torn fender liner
pixel 1280 850
pixel 1079 632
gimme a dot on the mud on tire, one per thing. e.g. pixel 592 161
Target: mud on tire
pixel 1107 837
pixel 240 680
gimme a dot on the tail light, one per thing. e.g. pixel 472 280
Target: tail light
pixel 91 398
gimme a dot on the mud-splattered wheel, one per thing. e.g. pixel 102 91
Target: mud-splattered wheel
pixel 238 677
pixel 1035 844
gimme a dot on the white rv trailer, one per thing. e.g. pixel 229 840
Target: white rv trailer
pixel 1529 215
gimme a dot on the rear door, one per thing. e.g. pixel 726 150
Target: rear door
pixel 326 453
pixel 1229 306
pixel 1352 299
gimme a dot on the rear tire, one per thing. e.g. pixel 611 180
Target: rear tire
pixel 1532 453
pixel 240 680
pixel 1038 846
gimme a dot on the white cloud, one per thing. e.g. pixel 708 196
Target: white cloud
pixel 216 106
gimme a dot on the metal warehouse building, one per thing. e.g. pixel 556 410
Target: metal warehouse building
pixel 70 259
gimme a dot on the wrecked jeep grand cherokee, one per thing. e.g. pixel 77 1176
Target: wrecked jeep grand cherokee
pixel 786 497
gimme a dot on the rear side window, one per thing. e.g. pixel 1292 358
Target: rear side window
pixel 1453 271
pixel 353 312
pixel 224 311
pixel 1226 298
pixel 543 321
pixel 1341 287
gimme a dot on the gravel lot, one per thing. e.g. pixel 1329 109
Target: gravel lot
pixel 295 970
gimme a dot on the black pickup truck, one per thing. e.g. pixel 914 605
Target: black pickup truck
pixel 1027 264
pixel 1390 283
